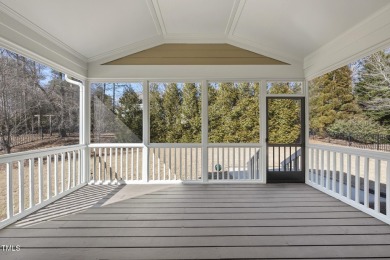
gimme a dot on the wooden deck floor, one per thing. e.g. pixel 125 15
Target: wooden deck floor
pixel 221 221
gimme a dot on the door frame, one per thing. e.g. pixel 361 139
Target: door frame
pixel 287 176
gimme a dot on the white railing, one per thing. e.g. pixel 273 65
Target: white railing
pixel 36 178
pixel 175 162
pixel 294 160
pixel 360 178
pixel 115 163
pixel 234 162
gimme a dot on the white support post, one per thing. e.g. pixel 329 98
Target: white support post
pixel 307 128
pixel 145 131
pixel 84 123
pixel 85 138
pixel 263 130
pixel 205 130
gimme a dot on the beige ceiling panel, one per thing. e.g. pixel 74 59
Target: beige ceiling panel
pixel 195 54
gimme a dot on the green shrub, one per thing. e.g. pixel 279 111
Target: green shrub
pixel 357 129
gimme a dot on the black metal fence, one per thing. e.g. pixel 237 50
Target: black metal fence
pixel 378 142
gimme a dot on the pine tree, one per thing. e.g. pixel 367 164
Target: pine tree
pixel 373 87
pixel 234 112
pixel 171 103
pixel 245 116
pixel 130 113
pixel 220 117
pixel 331 98
pixel 157 124
pixel 284 124
pixel 190 114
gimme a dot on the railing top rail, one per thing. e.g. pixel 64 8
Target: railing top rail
pixel 243 145
pixel 175 145
pixel 172 145
pixel 353 151
pixel 39 153
pixel 116 145
pixel 285 145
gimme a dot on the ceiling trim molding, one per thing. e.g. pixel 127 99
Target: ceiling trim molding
pixel 365 38
pixel 24 21
pixel 160 19
pixel 128 49
pixel 153 13
pixel 235 15
pixel 255 47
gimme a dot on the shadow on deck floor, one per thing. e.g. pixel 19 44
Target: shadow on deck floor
pixel 79 200
pixel 215 221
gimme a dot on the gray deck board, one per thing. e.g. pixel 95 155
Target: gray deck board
pixel 232 221
pixel 210 223
pixel 286 252
pixel 301 203
pixel 134 210
pixel 212 216
pixel 207 231
pixel 220 241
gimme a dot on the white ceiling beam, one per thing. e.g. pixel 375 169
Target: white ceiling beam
pixel 237 8
pixel 232 38
pixel 157 16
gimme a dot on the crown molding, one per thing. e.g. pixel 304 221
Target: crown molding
pixel 235 15
pixel 370 35
pixel 24 21
pixel 255 47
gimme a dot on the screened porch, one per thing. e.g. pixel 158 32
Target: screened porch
pixel 195 129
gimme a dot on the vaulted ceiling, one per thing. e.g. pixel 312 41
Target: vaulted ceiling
pixel 281 29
